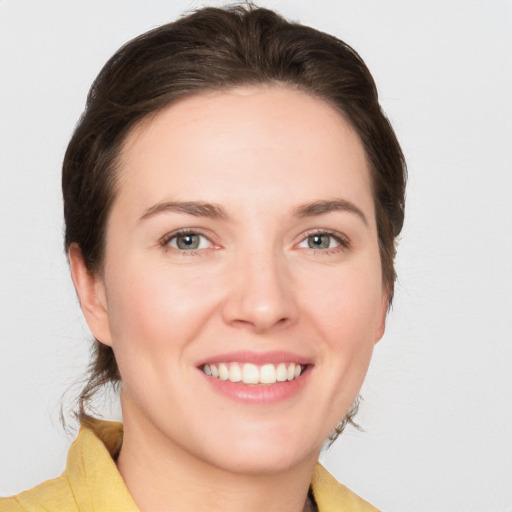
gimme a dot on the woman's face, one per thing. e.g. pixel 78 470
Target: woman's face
pixel 242 244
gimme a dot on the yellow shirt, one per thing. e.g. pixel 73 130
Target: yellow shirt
pixel 92 483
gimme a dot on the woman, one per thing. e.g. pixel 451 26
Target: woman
pixel 232 196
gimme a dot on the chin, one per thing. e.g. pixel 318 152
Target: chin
pixel 264 452
pixel 259 462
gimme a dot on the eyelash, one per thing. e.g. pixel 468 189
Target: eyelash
pixel 342 240
pixel 166 240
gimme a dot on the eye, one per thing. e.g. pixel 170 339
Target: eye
pixel 187 241
pixel 323 241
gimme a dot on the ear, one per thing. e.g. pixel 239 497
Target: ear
pixel 92 295
pixel 382 314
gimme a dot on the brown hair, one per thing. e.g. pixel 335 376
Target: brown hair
pixel 216 49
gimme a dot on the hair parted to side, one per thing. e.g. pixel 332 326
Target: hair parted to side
pixel 209 50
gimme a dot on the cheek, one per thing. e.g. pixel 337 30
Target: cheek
pixel 346 305
pixel 347 312
pixel 156 308
pixel 347 315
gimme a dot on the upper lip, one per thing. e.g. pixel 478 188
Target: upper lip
pixel 258 358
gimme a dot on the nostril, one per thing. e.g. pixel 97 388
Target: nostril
pixel 260 300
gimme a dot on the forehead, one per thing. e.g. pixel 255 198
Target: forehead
pixel 273 140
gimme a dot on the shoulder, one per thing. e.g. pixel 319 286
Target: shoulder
pixel 331 496
pixel 51 496
pixel 91 481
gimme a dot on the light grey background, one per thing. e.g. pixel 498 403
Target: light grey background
pixel 438 398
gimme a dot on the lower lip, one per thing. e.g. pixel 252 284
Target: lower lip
pixel 258 393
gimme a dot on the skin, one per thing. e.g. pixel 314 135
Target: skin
pixel 254 285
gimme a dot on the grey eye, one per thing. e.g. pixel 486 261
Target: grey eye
pixel 322 241
pixel 189 242
pixel 319 241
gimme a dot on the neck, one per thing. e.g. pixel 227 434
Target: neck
pixel 163 477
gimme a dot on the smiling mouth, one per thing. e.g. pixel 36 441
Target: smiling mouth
pixel 248 373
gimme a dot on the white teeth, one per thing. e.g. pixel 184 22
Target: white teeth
pixel 281 374
pixel 235 373
pixel 223 372
pixel 290 373
pixel 268 374
pixel 251 374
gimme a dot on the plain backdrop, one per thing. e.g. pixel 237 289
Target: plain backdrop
pixel 437 410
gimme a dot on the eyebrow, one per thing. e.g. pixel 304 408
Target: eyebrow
pixel 202 209
pixel 322 207
pixel 195 208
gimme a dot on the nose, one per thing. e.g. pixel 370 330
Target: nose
pixel 260 293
